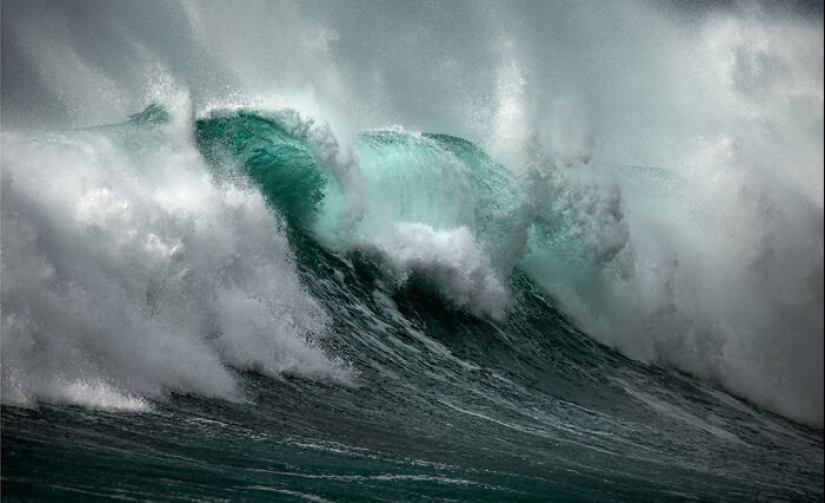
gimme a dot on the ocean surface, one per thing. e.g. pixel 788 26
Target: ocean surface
pixel 437 251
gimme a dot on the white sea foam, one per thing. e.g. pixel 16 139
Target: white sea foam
pixel 128 273
pixel 451 259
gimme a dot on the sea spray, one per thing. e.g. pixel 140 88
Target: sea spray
pixel 721 280
pixel 679 218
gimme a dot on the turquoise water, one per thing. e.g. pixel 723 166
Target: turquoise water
pixel 421 359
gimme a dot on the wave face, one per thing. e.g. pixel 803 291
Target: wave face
pixel 588 285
